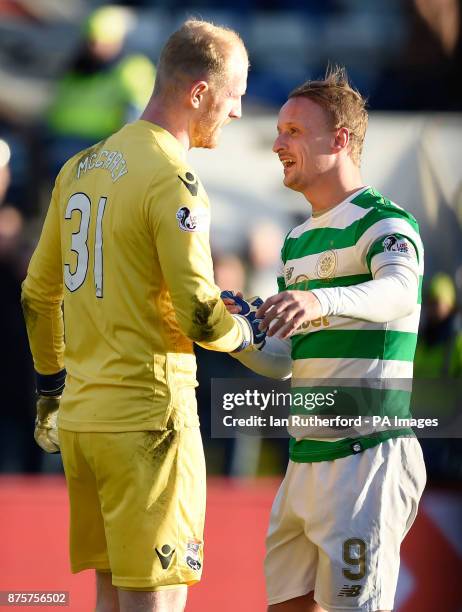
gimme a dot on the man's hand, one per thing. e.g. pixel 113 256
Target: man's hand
pixel 46 429
pixel 246 309
pixel 229 300
pixel 289 309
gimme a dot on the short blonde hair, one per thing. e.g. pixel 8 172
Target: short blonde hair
pixel 198 50
pixel 344 105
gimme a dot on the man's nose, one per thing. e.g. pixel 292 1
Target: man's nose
pixel 236 111
pixel 277 146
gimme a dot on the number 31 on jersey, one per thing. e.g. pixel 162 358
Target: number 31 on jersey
pixel 73 280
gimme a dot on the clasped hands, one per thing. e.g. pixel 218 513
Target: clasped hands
pixel 280 314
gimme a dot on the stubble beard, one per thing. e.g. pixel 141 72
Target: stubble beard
pixel 207 136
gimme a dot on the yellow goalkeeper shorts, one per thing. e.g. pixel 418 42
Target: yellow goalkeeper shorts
pixel 137 503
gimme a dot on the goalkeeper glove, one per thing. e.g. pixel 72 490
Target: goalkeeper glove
pixel 49 390
pixel 247 315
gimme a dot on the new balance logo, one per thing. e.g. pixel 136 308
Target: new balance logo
pixel 289 272
pixel 350 590
pixel 165 555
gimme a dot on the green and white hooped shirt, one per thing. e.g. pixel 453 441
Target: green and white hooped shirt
pixel 345 246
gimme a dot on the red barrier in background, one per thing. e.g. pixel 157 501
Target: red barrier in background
pixel 34 556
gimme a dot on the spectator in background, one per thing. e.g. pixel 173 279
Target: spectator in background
pixel 439 355
pixel 431 55
pixel 264 258
pixel 228 269
pixel 5 174
pixel 439 349
pixel 18 452
pixel 102 89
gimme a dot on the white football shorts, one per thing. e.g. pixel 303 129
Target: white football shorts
pixel 336 527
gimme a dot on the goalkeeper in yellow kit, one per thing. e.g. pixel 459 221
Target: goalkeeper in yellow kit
pixel 125 248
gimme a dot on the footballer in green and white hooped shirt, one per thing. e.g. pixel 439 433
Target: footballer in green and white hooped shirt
pixel 347 312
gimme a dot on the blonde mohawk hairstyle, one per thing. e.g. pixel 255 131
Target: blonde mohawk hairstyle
pixel 344 105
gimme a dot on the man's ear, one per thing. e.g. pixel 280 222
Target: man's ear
pixel 341 139
pixel 198 89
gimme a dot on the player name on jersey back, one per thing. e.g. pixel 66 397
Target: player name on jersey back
pixel 112 161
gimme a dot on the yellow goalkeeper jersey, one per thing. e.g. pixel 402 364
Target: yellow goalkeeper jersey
pixel 125 253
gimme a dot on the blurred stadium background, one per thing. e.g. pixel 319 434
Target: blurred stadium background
pixel 68 77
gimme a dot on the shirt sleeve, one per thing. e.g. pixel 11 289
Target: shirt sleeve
pixel 392 294
pixel 390 237
pixel 273 360
pixel 42 295
pixel 179 218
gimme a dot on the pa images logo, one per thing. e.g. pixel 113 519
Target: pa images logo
pixel 193 553
pixel 196 220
